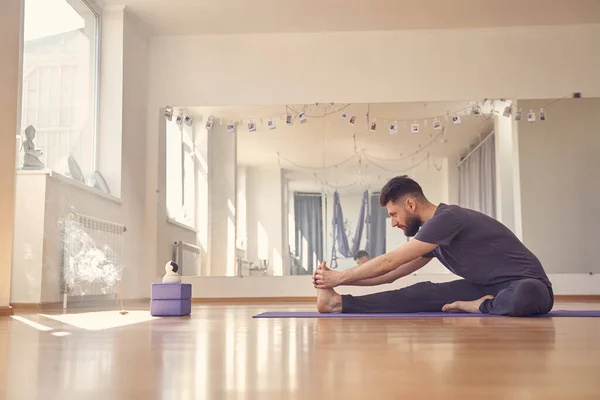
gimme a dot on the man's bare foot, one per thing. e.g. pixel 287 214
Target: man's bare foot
pixel 466 306
pixel 328 301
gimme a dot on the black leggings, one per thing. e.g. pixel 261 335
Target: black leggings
pixel 521 298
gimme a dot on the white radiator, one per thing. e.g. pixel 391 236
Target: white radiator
pixel 187 257
pixel 92 251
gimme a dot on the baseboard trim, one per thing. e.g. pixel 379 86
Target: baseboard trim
pixel 252 300
pixel 577 298
pixel 229 300
pixel 81 305
pixel 256 300
pixel 6 311
pixel 27 306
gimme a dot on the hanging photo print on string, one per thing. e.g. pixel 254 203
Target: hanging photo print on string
pixel 271 123
pixel 302 117
pixel 456 120
pixel 519 115
pixel 209 124
pixel 189 120
pixel 251 126
pixel 542 114
pixel 179 119
pixel 507 111
pixel 531 116
pixel 373 126
pixel 169 113
pixel 352 120
pixel 437 125
pixel 289 120
pixel 230 127
pixel 393 128
pixel 414 128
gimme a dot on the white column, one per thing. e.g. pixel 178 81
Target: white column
pixel 450 182
pixel 264 191
pixel 110 127
pixel 222 166
pixel 11 32
pixel 508 193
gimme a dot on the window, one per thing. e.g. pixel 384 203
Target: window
pixel 186 171
pixel 60 71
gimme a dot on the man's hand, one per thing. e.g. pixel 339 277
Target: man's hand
pixel 385 263
pixel 325 278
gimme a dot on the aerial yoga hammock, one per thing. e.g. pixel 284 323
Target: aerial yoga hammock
pixel 339 231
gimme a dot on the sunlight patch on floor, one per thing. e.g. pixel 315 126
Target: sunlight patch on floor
pixel 100 320
pixel 31 323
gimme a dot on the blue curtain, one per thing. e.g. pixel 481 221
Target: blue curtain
pixel 308 216
pixel 376 227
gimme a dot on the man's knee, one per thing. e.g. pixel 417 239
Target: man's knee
pixel 530 297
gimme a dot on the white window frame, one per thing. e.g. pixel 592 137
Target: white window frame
pixel 97 74
pixel 193 224
pixel 96 10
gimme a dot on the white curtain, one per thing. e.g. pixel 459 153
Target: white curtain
pixel 477 179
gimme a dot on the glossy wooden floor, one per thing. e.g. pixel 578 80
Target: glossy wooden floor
pixel 222 353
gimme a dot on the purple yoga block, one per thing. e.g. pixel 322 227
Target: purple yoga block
pixel 170 308
pixel 171 291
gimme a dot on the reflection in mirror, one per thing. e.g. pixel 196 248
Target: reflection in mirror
pixel 290 186
pixel 308 177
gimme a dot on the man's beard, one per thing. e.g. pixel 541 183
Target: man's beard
pixel 413 224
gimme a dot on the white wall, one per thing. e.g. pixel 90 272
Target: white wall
pixel 62 197
pixel 301 286
pixel 28 255
pixel 42 201
pixel 138 276
pixel 264 213
pixel 362 67
pixel 371 66
pixel 110 118
pixel 241 214
pixel 11 32
pixel 560 188
pixel 285 227
pixel 222 157
pixel 508 200
pixel 126 142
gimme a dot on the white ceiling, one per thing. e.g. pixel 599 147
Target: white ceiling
pixel 326 139
pixel 193 17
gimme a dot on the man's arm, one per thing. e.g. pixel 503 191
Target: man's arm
pixel 393 276
pixel 386 263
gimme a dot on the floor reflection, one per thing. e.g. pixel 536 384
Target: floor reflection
pixel 222 353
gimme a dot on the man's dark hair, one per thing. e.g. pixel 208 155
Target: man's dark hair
pixel 361 254
pixel 398 187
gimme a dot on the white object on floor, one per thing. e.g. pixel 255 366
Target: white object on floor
pixel 171 275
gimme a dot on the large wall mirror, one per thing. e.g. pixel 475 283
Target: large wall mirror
pixel 290 186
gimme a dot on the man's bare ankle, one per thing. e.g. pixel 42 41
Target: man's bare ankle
pixel 328 301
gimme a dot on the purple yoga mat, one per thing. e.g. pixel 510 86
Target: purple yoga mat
pixel 307 314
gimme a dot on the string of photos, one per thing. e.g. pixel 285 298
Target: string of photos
pixel 484 109
pixel 374 123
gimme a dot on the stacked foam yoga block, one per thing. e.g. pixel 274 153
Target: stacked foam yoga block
pixel 171 299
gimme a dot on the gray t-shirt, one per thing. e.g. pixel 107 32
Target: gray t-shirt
pixel 479 248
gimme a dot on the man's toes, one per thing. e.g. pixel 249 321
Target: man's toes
pixel 449 307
